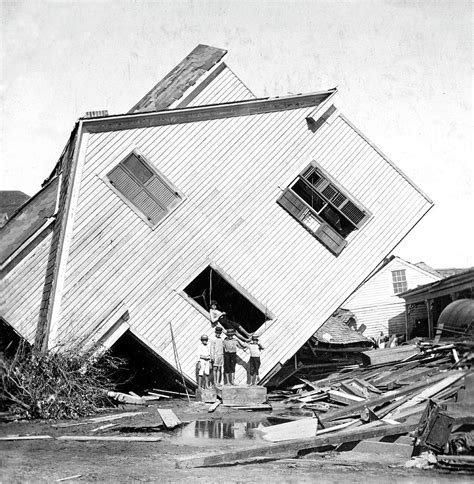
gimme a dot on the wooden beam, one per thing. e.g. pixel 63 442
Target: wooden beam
pixel 170 420
pixel 291 449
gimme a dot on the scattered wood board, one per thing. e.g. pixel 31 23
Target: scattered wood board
pixel 26 437
pixel 170 420
pixel 109 438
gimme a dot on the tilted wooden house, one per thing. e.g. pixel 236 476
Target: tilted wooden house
pixel 276 207
pixel 377 306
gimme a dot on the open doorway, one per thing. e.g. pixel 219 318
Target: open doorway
pixel 143 370
pixel 211 284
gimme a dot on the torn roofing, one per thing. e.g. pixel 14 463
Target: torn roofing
pixel 11 200
pixel 178 80
pixel 26 221
pixel 336 331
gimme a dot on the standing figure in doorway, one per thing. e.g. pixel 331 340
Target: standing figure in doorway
pixel 204 362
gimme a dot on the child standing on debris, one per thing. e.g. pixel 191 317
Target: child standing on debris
pixel 204 362
pixel 254 363
pixel 217 355
pixel 230 356
pixel 219 317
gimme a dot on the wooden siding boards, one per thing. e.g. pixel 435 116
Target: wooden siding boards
pixel 245 162
pixel 375 303
pixel 22 289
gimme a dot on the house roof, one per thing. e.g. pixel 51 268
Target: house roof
pixel 11 200
pixel 455 283
pixel 26 221
pixel 427 268
pixel 172 87
pixel 335 330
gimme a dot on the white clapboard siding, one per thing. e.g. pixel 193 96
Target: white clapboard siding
pixel 226 87
pixel 22 289
pixel 377 306
pixel 231 172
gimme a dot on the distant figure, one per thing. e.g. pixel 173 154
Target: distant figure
pixel 230 356
pixel 204 362
pixel 393 342
pixel 217 356
pixel 219 317
pixel 254 363
pixel 381 341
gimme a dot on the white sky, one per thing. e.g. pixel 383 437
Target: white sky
pixel 403 70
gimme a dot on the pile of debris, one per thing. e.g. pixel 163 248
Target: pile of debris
pixel 424 390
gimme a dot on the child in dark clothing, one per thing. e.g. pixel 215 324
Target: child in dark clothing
pixel 254 363
pixel 218 317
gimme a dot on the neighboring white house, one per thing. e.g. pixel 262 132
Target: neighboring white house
pixel 376 304
pixel 277 207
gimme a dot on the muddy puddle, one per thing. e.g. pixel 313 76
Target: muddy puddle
pixel 205 430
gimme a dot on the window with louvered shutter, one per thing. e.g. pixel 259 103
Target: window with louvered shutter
pixel 148 191
pixel 323 207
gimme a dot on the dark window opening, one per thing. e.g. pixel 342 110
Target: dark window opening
pixel 210 285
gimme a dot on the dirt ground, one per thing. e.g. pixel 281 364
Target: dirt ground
pixel 100 461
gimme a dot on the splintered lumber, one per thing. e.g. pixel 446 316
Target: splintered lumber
pixel 291 449
pixel 26 437
pixel 124 398
pixel 109 438
pixel 343 397
pixel 170 420
pixel 104 427
pixel 431 390
pixel 160 395
pixel 252 408
pixel 116 416
pixel 389 355
pixel 68 478
pixel 376 402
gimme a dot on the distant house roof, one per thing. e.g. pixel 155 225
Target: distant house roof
pixel 26 221
pixel 11 200
pixel 336 331
pixel 448 285
pixel 427 268
pixel 201 59
pixel 451 271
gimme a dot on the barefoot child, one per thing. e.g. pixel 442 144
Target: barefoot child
pixel 219 318
pixel 204 362
pixel 254 363
pixel 217 356
pixel 230 356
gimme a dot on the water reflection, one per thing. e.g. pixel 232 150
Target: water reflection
pixel 220 429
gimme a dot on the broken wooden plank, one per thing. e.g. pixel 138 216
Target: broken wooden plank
pixel 302 428
pixel 170 420
pixel 124 398
pixel 214 406
pixel 253 408
pixel 160 395
pixel 169 392
pixel 389 355
pixel 104 427
pixel 69 478
pixel 343 397
pixel 26 437
pixel 109 438
pixel 291 449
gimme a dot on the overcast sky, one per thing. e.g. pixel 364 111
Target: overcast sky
pixel 403 70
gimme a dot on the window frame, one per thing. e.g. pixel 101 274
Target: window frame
pixel 136 152
pixel 329 236
pixel 396 282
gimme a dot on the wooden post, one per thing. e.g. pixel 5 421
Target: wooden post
pixel 429 310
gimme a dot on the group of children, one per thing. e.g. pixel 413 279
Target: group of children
pixel 217 356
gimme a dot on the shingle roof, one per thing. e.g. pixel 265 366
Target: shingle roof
pixel 335 330
pixel 26 221
pixel 11 200
pixel 201 59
